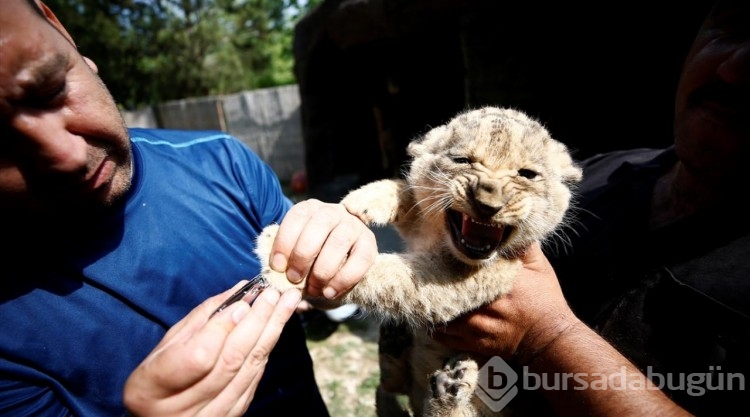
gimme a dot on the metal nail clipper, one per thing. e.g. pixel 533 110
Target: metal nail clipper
pixel 253 287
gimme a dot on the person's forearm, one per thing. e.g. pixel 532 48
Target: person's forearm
pixel 600 381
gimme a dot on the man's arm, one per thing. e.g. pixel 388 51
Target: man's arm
pixel 579 350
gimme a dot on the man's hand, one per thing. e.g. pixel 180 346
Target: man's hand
pixel 211 367
pixel 325 243
pixel 534 324
pixel 520 323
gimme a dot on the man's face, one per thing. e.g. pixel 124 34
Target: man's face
pixel 712 109
pixel 63 142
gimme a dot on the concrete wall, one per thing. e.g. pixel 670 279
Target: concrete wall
pixel 267 120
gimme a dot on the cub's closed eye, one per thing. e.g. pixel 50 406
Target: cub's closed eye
pixel 527 173
pixel 460 159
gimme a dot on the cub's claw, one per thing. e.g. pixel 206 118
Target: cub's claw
pixel 453 385
pixel 263 247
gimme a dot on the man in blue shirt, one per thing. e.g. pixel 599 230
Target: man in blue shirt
pixel 116 237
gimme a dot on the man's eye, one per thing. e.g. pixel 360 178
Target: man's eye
pixel 47 96
pixel 54 95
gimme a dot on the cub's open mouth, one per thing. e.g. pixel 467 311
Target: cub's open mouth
pixel 474 239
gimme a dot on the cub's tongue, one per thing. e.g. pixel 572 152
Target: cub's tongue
pixel 480 235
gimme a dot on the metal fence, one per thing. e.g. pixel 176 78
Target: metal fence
pixel 267 120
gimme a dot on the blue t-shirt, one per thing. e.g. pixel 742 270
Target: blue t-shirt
pixel 79 312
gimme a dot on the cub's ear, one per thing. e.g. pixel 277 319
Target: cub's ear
pixel 430 140
pixel 416 148
pixel 570 172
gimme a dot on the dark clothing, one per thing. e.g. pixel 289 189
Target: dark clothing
pixel 674 300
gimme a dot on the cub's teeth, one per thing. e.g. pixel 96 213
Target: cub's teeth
pixel 473 220
pixel 463 242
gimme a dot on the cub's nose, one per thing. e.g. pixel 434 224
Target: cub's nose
pixel 486 210
pixel 487 199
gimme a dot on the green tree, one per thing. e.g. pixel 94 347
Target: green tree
pixel 150 51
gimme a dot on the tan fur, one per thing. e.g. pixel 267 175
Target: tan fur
pixel 498 167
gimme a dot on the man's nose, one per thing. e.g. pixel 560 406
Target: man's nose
pixel 48 143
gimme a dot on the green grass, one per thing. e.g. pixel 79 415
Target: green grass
pixel 345 358
pixel 346 366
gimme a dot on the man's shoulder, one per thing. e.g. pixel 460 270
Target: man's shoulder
pixel 611 168
pixel 192 144
pixel 176 137
pixel 604 164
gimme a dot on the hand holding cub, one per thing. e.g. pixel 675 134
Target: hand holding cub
pixel 321 242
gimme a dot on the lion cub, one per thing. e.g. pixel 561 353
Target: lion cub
pixel 479 190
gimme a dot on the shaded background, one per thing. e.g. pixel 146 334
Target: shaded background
pixel 374 74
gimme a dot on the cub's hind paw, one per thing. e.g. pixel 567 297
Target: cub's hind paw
pixel 454 384
pixel 263 246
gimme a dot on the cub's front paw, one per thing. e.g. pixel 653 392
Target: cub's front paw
pixel 263 247
pixel 452 386
pixel 375 203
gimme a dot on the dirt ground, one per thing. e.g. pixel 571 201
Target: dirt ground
pixel 345 355
pixel 346 364
pixel 346 358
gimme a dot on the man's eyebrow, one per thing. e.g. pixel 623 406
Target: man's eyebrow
pixel 39 76
pixel 44 70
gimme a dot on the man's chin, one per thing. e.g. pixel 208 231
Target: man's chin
pixel 74 205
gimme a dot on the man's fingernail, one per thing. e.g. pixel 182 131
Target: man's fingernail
pixel 293 299
pixel 329 293
pixel 278 262
pixel 294 276
pixel 271 295
pixel 240 311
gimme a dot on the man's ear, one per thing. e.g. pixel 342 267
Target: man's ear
pixel 55 22
pixel 52 19
pixel 91 65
